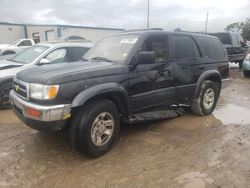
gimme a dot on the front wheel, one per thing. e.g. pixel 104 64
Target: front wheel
pixel 207 99
pixel 4 95
pixel 96 127
pixel 246 73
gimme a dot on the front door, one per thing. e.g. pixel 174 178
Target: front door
pixel 151 84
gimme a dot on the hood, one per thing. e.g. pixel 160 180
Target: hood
pixel 4 46
pixel 68 72
pixel 6 64
pixel 11 72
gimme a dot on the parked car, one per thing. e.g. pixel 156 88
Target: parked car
pixel 132 77
pixel 13 47
pixel 9 56
pixel 37 55
pixel 248 44
pixel 234 44
pixel 246 65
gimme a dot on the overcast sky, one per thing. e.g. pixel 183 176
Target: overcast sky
pixel 129 14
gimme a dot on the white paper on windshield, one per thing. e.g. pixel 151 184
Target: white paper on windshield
pixel 39 50
pixel 128 40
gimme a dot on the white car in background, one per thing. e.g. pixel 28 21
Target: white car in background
pixel 38 55
pixel 13 47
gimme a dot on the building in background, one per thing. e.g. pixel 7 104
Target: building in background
pixel 41 33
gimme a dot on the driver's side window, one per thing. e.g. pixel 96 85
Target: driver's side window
pixel 57 56
pixel 158 44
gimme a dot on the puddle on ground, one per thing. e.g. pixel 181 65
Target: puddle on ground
pixel 190 122
pixel 8 117
pixel 232 114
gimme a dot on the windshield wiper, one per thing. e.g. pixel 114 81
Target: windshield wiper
pixel 13 60
pixel 101 59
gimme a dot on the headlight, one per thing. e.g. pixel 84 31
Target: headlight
pixel 43 92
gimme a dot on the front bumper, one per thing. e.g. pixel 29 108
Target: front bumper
pixel 51 118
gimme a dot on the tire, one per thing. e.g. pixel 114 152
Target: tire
pixel 246 73
pixel 4 95
pixel 199 106
pixel 240 64
pixel 85 135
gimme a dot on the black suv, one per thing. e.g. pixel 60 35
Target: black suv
pixel 129 77
pixel 234 45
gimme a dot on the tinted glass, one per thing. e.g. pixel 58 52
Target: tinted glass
pixel 158 44
pixel 77 52
pixel 213 47
pixel 184 47
pixel 29 54
pixel 224 37
pixel 25 43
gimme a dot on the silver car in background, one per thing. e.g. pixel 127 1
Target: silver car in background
pixel 37 55
pixel 246 64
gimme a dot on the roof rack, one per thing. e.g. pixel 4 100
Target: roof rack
pixel 148 29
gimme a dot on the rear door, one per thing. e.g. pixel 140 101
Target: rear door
pixel 185 66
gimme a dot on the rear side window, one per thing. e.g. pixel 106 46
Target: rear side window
pixel 184 48
pixel 25 43
pixel 77 52
pixel 213 47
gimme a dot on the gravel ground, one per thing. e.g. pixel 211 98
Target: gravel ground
pixel 188 151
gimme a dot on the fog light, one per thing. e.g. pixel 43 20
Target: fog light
pixel 33 112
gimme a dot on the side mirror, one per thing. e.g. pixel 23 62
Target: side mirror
pixel 44 61
pixel 146 57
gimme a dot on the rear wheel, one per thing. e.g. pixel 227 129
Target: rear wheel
pixel 4 95
pixel 246 73
pixel 96 127
pixel 207 99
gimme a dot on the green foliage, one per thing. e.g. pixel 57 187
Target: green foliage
pixel 235 27
pixel 244 27
pixel 246 30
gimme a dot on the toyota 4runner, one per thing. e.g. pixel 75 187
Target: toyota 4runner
pixel 130 77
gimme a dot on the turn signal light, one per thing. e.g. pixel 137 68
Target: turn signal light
pixel 52 92
pixel 33 112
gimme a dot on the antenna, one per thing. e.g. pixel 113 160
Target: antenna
pixel 206 23
pixel 148 16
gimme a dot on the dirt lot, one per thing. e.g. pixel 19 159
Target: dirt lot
pixel 188 152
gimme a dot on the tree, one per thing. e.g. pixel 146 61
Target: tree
pixel 244 27
pixel 246 30
pixel 235 27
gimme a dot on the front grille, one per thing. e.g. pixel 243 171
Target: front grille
pixel 21 88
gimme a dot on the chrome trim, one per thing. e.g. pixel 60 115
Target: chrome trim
pixel 48 113
pixel 24 84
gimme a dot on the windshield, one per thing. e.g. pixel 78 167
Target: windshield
pixel 115 48
pixel 29 54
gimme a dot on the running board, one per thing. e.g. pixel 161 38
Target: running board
pixel 155 115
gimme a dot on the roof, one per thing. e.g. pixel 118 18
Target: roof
pixel 158 31
pixel 58 25
pixel 65 44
